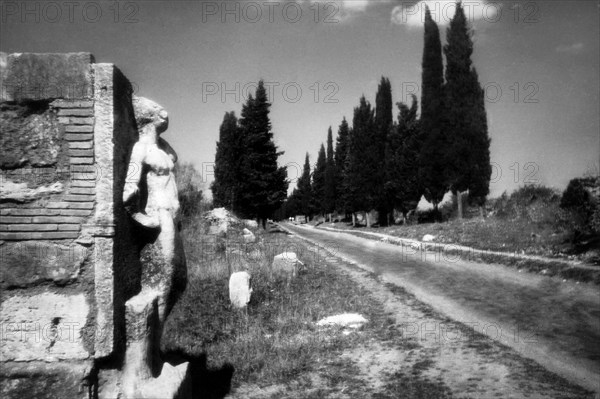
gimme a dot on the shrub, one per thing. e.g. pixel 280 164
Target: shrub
pixel 577 197
pixel 189 184
pixel 580 200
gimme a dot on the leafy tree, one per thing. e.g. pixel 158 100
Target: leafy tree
pixel 468 165
pixel 383 124
pixel 362 160
pixel 228 160
pixel 330 177
pixel 402 187
pixel 264 184
pixel 432 160
pixel 318 182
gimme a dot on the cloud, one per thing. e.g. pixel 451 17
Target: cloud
pixel 341 10
pixel 574 48
pixel 354 5
pixel 413 14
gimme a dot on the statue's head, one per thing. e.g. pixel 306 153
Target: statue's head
pixel 147 112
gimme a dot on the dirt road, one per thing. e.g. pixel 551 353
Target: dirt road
pixel 553 322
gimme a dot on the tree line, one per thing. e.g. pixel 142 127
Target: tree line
pixel 385 164
pixel 248 180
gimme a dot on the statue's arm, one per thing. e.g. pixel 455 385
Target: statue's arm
pixel 134 172
pixel 132 185
pixel 166 147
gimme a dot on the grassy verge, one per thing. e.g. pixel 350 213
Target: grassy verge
pixel 557 266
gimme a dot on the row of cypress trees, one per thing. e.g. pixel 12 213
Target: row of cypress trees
pixel 248 180
pixel 388 165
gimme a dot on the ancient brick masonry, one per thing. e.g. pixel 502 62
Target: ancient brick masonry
pixel 61 218
pixel 69 252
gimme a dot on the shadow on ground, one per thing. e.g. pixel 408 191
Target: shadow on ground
pixel 205 383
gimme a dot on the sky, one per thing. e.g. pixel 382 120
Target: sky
pixel 537 60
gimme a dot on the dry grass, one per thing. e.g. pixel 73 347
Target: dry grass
pixel 275 340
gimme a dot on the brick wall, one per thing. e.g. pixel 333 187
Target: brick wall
pixel 59 216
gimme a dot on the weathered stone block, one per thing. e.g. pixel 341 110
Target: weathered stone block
pixel 286 265
pixel 30 263
pixel 43 380
pixel 45 327
pixel 48 76
pixel 31 135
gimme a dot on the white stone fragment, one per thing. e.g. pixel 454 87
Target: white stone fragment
pixel 428 238
pixel 239 289
pixel 349 320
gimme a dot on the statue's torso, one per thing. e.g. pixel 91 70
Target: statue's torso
pixel 162 189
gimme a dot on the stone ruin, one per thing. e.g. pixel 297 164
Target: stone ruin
pixel 92 261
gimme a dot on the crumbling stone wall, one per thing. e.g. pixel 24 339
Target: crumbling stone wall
pixel 68 250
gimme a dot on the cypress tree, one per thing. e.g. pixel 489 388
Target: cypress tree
pixel 228 159
pixel 432 160
pixel 330 177
pixel 341 154
pixel 402 186
pixel 304 192
pixel 264 183
pixel 468 141
pixel 362 161
pixel 318 180
pixel 481 168
pixel 409 128
pixel 383 124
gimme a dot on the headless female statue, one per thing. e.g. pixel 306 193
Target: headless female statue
pixel 151 187
pixel 152 163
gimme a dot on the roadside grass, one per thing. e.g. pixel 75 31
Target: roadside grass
pixel 275 341
pixel 492 233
